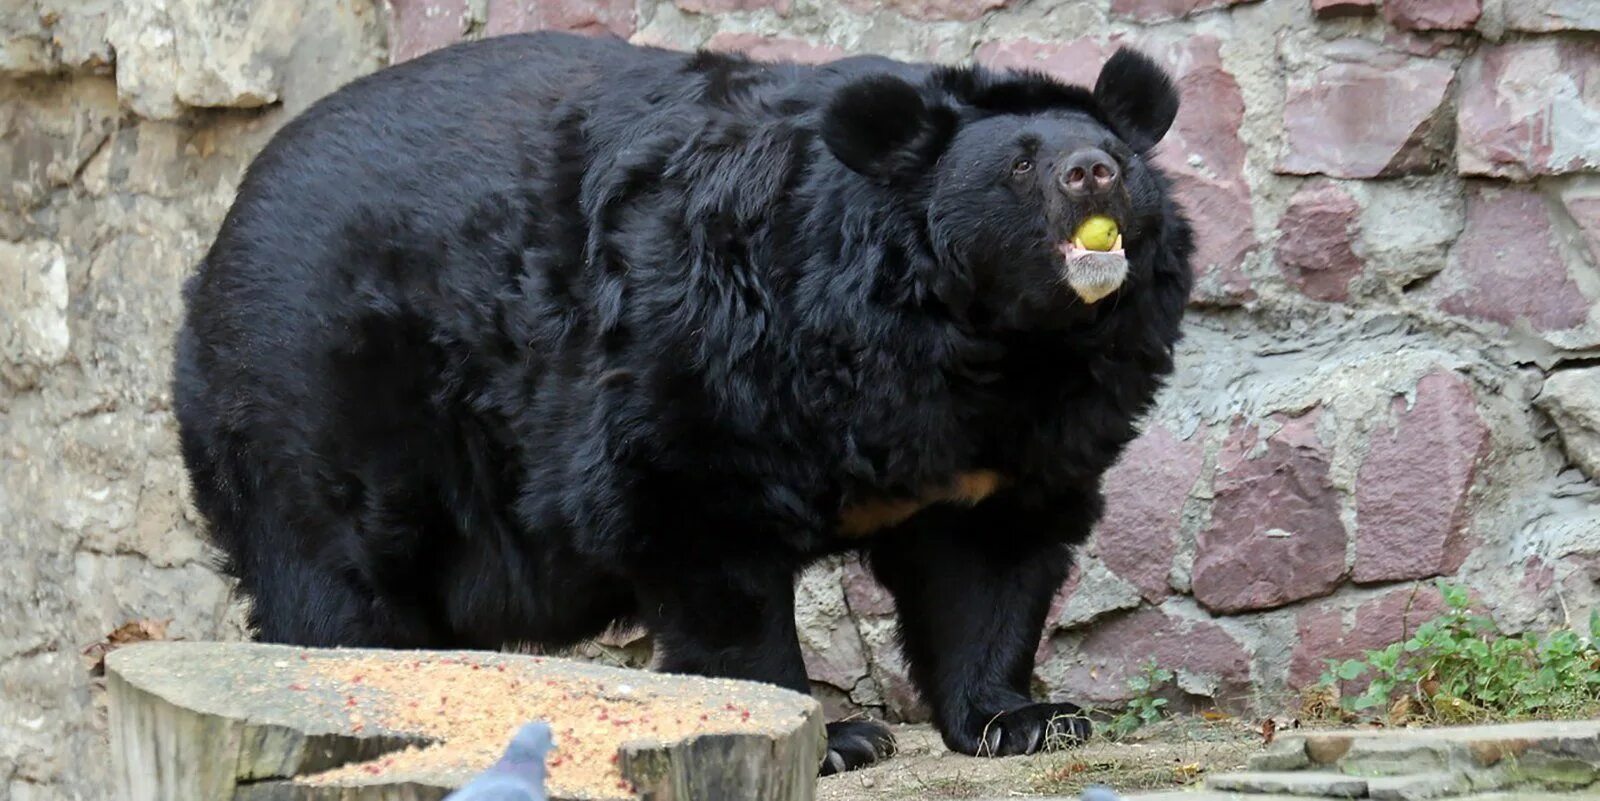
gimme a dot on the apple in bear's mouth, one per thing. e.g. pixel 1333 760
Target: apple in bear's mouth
pixel 1096 261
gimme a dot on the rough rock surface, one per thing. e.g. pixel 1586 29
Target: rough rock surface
pixel 1500 762
pixel 1145 496
pixel 1336 629
pixel 1509 266
pixel 1302 783
pixel 1530 108
pixel 1090 592
pixel 1330 9
pixel 1317 241
pixel 1553 15
pixel 1443 322
pixel 1412 490
pixel 1582 201
pixel 127 125
pixel 1433 15
pixel 1572 399
pixel 774 48
pixel 723 6
pixel 1098 664
pixel 1160 10
pixel 1275 535
pixel 932 10
pixel 1366 112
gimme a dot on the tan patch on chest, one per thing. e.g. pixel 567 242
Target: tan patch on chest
pixel 873 515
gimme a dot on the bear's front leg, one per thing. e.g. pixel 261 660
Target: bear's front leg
pixel 731 621
pixel 972 587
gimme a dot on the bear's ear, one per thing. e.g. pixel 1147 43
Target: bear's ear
pixel 880 127
pixel 1138 97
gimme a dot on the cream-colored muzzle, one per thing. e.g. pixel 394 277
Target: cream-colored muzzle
pixel 1094 274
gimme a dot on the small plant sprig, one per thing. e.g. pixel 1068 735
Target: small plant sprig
pixel 1145 707
pixel 1459 667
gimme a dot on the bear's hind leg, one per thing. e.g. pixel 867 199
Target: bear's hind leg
pixel 305 581
pixel 739 624
pixel 303 602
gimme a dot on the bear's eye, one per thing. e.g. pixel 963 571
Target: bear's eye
pixel 1022 166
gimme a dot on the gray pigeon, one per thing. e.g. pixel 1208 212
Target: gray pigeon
pixel 1097 792
pixel 520 773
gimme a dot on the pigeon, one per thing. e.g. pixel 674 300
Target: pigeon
pixel 1097 792
pixel 520 773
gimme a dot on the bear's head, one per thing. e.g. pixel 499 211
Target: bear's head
pixel 1006 167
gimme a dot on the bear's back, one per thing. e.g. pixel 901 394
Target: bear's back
pixel 408 206
pixel 409 157
pixel 430 136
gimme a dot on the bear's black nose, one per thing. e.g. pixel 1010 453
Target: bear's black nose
pixel 1089 172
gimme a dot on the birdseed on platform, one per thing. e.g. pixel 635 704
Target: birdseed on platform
pixel 472 708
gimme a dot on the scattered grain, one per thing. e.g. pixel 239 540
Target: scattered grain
pixel 471 709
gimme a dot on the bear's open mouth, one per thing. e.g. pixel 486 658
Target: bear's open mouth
pixel 1094 274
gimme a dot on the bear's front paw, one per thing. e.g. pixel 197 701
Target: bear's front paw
pixel 856 744
pixel 1027 730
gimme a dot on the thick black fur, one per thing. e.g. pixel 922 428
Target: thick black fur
pixel 534 335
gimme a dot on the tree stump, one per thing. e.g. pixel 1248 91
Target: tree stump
pixel 252 722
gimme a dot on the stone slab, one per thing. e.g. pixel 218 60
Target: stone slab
pixel 1218 795
pixel 1415 764
pixel 1321 784
pixel 1201 794
pixel 1572 399
pixel 1401 757
pixel 1537 795
pixel 1417 787
pixel 1283 754
pixel 1484 742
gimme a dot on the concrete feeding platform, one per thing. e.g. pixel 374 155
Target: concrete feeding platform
pixel 252 722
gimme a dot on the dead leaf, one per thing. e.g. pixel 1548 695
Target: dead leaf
pixel 141 630
pixel 1320 703
pixel 1402 711
pixel 1188 772
pixel 1269 729
pixel 1429 687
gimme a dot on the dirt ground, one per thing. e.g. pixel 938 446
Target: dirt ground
pixel 1175 753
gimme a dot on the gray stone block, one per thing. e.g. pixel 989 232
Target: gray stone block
pixel 1287 753
pixel 1417 787
pixel 1298 783
pixel 1396 756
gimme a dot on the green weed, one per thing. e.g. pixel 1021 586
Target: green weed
pixel 1459 667
pixel 1145 707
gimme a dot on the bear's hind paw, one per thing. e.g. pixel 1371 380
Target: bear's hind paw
pixel 856 744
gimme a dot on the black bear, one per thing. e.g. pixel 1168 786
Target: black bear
pixel 541 333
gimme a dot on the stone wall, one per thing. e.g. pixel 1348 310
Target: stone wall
pixel 126 124
pixel 1390 373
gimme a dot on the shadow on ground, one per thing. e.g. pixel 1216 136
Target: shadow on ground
pixel 1176 753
